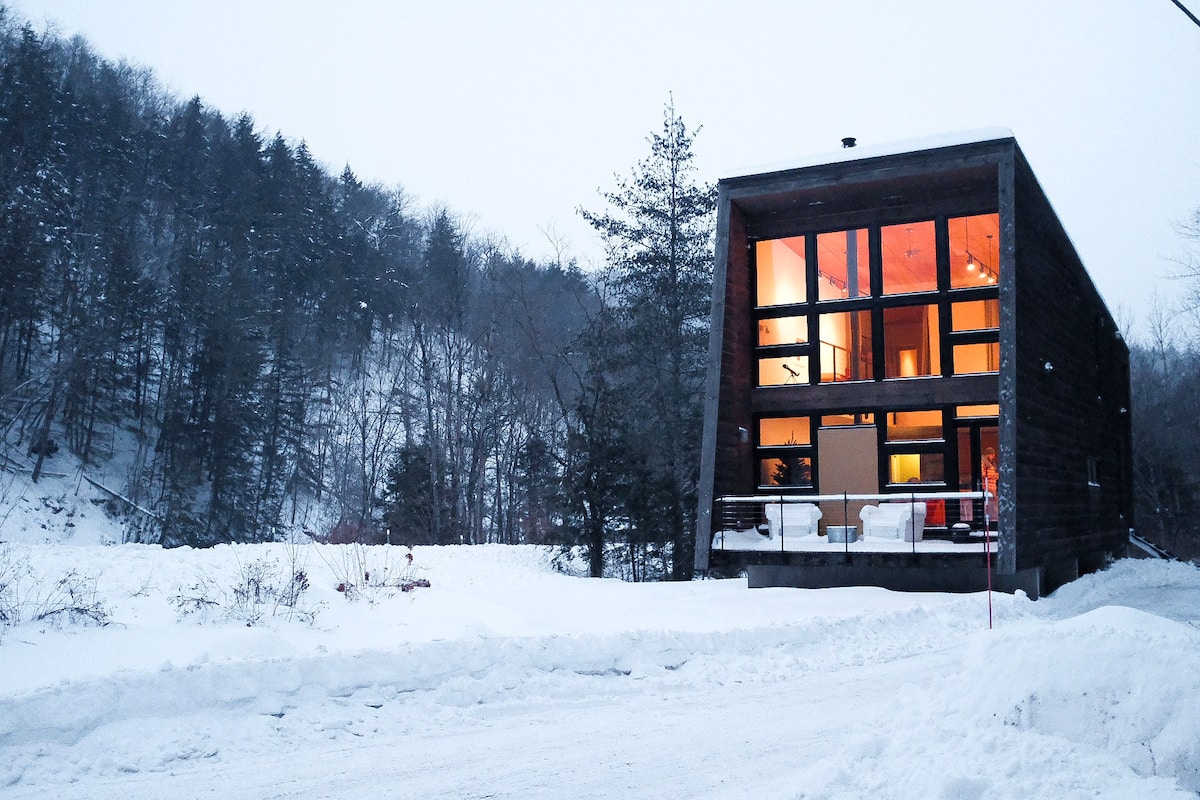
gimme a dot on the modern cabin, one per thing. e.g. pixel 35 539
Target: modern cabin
pixel 912 380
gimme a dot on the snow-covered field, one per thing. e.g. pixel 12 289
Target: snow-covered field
pixel 506 679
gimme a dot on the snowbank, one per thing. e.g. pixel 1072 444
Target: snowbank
pixel 507 679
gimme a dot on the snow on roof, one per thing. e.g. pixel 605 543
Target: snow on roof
pixel 859 153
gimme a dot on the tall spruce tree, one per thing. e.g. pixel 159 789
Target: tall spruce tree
pixel 658 231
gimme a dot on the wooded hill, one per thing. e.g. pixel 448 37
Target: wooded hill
pixel 251 345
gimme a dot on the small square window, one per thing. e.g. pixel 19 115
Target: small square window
pixel 787 371
pixel 911 342
pixel 843 260
pixel 846 352
pixel 788 471
pixel 909 258
pixel 974 251
pixel 782 274
pixel 782 330
pixel 975 315
pixel 784 431
pixel 909 468
pixel 970 359
pixel 912 426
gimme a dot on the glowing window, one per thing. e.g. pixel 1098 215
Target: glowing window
pixel 782 330
pixel 910 342
pixel 843 265
pixel 784 431
pixel 781 271
pixel 984 410
pixel 976 315
pixel 834 420
pixel 909 258
pixel 910 426
pixel 976 358
pixel 974 251
pixel 783 371
pixel 846 353
pixel 785 471
pixel 916 468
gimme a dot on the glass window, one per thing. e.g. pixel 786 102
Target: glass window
pixel 909 426
pixel 784 431
pixel 983 410
pixel 917 468
pixel 846 353
pixel 976 315
pixel 974 250
pixel 782 330
pixel 785 471
pixel 975 358
pixel 965 477
pixel 834 420
pixel 909 258
pixel 910 342
pixel 781 271
pixel 843 265
pixel 783 371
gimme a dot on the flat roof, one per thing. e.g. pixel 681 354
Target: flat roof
pixel 861 153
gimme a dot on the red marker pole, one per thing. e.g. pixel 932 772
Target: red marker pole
pixel 987 547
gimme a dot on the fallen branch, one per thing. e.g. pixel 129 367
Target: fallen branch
pixel 12 465
pixel 123 499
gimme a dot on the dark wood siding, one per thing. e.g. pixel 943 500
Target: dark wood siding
pixel 725 458
pixel 735 455
pixel 1071 402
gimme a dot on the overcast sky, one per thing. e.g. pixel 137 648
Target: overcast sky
pixel 516 113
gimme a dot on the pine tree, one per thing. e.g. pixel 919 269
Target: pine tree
pixel 658 236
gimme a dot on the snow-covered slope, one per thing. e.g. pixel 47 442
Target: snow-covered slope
pixel 506 679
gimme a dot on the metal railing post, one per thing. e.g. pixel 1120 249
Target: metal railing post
pixel 912 518
pixel 782 549
pixel 846 523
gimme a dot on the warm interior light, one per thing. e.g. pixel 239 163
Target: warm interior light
pixel 905 468
pixel 908 363
pixel 970 263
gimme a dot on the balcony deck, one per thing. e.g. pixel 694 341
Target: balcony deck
pixel 754 542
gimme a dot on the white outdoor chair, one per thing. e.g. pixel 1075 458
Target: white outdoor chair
pixel 894 521
pixel 792 519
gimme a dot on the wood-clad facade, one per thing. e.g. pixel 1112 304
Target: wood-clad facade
pixel 931 301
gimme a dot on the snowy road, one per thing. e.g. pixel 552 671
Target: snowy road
pixel 508 681
pixel 582 736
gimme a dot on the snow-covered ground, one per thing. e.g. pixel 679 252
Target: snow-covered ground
pixel 507 679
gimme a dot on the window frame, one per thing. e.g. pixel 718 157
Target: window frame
pixel 943 298
pixel 807 450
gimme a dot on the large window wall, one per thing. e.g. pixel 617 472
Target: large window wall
pixel 944 448
pixel 917 299
pixel 898 302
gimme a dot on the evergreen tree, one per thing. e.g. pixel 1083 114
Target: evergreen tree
pixel 413 503
pixel 658 235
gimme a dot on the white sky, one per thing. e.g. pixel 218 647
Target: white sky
pixel 516 113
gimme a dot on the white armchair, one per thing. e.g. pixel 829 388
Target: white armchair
pixel 894 521
pixel 792 519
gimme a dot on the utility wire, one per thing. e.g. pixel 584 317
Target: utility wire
pixel 1183 8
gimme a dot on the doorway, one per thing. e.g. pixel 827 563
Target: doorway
pixel 978 461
